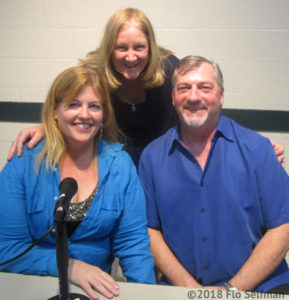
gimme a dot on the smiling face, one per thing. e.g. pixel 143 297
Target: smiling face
pixel 80 120
pixel 197 97
pixel 131 53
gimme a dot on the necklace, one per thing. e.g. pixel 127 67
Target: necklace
pixel 131 96
pixel 133 107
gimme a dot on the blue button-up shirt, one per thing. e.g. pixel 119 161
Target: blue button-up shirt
pixel 213 218
pixel 115 224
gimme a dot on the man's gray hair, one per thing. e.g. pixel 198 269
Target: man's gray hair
pixel 192 62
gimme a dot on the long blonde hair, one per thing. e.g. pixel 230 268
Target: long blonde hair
pixel 101 58
pixel 64 89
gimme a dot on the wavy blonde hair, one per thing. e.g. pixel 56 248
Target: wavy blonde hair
pixel 101 58
pixel 64 89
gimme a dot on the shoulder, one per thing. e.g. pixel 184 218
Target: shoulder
pixel 247 136
pixel 23 166
pixel 158 148
pixel 172 59
pixel 253 145
pixel 113 153
pixel 28 154
pixel 115 165
pixel 170 63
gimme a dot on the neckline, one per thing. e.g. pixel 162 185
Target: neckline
pixel 131 107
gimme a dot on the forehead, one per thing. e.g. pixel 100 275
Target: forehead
pixel 88 92
pixel 131 32
pixel 204 72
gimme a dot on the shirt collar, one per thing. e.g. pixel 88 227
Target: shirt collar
pixel 106 152
pixel 108 147
pixel 224 128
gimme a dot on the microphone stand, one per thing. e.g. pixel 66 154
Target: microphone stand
pixel 62 261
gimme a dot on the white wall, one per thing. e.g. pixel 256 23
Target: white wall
pixel 248 38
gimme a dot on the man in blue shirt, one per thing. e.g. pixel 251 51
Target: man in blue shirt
pixel 217 197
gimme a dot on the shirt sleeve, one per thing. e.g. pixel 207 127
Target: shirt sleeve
pixel 130 240
pixel 15 235
pixel 146 178
pixel 273 187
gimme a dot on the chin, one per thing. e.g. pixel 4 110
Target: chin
pixel 131 77
pixel 195 122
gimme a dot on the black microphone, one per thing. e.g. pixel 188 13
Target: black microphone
pixel 67 188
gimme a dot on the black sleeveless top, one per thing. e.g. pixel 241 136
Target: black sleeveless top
pixel 146 121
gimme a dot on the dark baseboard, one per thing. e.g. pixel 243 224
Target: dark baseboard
pixel 22 112
pixel 259 120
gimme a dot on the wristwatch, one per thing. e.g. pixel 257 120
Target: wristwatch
pixel 229 287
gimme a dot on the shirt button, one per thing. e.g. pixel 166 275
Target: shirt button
pixel 202 210
pixel 206 267
pixel 204 238
pixel 202 184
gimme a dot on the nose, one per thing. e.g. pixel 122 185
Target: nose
pixel 84 112
pixel 131 57
pixel 194 94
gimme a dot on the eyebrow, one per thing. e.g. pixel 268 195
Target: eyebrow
pixel 198 82
pixel 207 82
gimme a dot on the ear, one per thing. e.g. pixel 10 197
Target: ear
pixel 222 96
pixel 173 98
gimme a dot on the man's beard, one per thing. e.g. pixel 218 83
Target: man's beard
pixel 195 121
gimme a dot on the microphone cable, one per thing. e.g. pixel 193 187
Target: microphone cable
pixel 36 242
pixel 67 187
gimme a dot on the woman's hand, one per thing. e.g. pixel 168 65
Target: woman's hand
pixel 32 134
pixel 91 279
pixel 279 152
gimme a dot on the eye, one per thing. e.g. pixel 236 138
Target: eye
pixel 206 87
pixel 121 48
pixel 73 104
pixel 95 106
pixel 140 47
pixel 182 88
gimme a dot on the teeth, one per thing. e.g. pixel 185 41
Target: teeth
pixel 83 125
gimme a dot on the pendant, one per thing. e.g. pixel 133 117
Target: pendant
pixel 133 108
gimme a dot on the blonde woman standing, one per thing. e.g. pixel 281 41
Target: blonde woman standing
pixel 137 72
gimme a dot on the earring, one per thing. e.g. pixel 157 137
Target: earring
pixel 55 122
pixel 100 131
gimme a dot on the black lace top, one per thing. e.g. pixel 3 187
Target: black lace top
pixel 77 212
